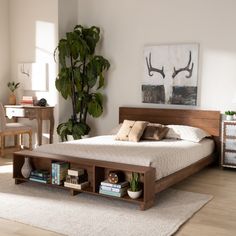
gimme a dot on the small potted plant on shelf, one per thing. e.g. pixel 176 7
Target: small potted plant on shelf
pixel 230 115
pixel 135 189
pixel 12 97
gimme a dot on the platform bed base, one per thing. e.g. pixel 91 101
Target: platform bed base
pixel 97 172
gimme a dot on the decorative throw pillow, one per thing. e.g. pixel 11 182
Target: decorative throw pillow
pixel 131 130
pixel 155 132
pixel 186 133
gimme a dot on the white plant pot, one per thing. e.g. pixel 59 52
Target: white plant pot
pixel 229 117
pixel 70 137
pixel 134 195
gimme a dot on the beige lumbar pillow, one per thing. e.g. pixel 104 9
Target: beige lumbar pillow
pixel 155 132
pixel 131 130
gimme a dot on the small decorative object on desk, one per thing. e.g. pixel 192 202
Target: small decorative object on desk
pixel 27 101
pixel 135 190
pixel 116 176
pixel 26 168
pixel 230 115
pixel 42 102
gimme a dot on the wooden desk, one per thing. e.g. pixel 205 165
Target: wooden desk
pixel 33 112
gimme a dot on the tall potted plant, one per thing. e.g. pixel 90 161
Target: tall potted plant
pixel 80 78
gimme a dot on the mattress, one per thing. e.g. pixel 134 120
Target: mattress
pixel 166 156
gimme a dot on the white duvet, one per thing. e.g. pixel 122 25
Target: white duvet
pixel 167 156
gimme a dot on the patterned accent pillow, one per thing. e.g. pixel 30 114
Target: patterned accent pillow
pixel 186 133
pixel 155 132
pixel 131 130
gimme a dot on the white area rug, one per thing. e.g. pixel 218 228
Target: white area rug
pixel 55 210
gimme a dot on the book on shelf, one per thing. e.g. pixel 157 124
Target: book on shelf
pixel 41 176
pixel 44 181
pixel 111 193
pixel 76 179
pixel 76 172
pixel 40 173
pixel 117 185
pixel 59 171
pixel 111 189
pixel 77 186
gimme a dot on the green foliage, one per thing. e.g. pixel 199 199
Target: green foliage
pixel 13 86
pixel 230 113
pixel 134 182
pixel 80 77
pixel 71 128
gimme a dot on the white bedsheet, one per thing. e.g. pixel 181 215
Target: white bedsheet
pixel 167 156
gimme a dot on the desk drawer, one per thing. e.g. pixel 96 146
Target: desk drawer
pixel 30 113
pixel 17 112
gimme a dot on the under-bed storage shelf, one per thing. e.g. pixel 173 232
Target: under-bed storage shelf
pixel 96 170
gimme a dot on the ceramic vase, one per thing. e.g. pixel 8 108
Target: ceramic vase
pixel 12 99
pixel 26 168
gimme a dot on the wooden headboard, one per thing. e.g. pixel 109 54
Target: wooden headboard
pixel 204 119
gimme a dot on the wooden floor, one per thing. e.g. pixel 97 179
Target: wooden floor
pixel 218 217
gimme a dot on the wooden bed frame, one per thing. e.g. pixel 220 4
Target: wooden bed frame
pixel 97 170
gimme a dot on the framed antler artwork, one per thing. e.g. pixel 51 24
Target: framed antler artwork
pixel 171 74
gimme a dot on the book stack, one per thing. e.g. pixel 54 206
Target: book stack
pixel 77 179
pixel 59 171
pixel 41 176
pixel 27 101
pixel 116 190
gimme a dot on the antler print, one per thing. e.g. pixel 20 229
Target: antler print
pixel 153 69
pixel 187 68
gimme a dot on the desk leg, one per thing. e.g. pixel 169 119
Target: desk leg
pixel 51 129
pixel 40 132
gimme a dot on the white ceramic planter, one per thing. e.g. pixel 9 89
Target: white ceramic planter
pixel 70 137
pixel 229 117
pixel 134 195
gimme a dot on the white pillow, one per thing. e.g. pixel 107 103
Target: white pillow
pixel 186 133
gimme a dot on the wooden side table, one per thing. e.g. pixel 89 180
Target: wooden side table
pixel 228 148
pixel 33 112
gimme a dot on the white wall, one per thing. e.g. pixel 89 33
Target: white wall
pixel 127 26
pixel 33 38
pixel 4 50
pixel 68 18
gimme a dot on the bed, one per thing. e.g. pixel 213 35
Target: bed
pixel 177 163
